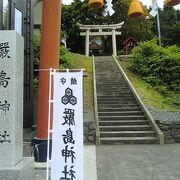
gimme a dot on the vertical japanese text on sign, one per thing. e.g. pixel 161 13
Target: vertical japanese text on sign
pixel 67 142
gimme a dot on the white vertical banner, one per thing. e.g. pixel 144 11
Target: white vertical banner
pixel 67 139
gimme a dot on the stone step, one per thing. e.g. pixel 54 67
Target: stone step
pixel 120 102
pixel 106 99
pixel 127 133
pixel 121 120
pixel 100 82
pixel 125 122
pixel 114 68
pixel 109 77
pixel 114 90
pixel 123 113
pixel 126 128
pixel 100 106
pixel 103 84
pixel 119 109
pixel 107 69
pixel 107 72
pixel 124 89
pixel 129 140
pixel 116 99
pixel 120 93
pixel 110 81
pixel 112 85
pixel 104 118
pixel 127 96
pixel 108 88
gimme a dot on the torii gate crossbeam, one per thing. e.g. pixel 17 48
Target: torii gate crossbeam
pixel 98 31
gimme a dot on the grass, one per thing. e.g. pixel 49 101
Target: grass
pixel 149 96
pixel 78 62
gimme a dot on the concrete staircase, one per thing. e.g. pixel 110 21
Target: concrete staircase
pixel 120 118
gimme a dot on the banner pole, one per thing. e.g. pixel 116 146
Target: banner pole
pixel 49 121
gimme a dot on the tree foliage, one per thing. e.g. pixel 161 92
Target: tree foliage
pixel 140 28
pixel 79 11
pixel 170 26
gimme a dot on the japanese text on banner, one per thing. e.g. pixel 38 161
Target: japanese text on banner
pixel 67 143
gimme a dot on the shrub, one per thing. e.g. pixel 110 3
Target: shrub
pixel 65 58
pixel 157 65
pixel 37 38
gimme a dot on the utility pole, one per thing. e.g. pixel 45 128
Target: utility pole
pixel 154 12
pixel 158 26
pixel 49 58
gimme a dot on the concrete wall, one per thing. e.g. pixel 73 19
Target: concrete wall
pixel 37 17
pixel 27 26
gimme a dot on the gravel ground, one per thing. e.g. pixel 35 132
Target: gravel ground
pixel 164 115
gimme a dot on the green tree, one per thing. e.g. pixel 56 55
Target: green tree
pixel 170 26
pixel 139 28
pixel 79 11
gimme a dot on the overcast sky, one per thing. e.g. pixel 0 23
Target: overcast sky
pixel 146 2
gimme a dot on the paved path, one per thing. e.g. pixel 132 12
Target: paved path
pixel 128 162
pixel 138 162
pixel 90 168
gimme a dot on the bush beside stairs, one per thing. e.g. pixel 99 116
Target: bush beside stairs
pixel 121 119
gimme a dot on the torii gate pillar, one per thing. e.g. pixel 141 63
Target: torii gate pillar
pixel 49 58
pixel 87 43
pixel 114 42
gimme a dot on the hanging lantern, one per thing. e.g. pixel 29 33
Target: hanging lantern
pixel 94 4
pixel 135 9
pixel 171 3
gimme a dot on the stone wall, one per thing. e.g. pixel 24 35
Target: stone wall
pixel 89 127
pixel 171 130
pixel 89 132
pixel 169 123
